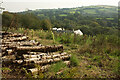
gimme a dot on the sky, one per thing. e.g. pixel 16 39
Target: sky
pixel 22 5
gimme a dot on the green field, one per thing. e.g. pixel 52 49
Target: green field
pixel 72 12
pixel 90 11
pixel 40 15
pixel 110 18
pixel 62 15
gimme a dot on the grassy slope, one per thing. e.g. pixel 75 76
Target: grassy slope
pixel 93 57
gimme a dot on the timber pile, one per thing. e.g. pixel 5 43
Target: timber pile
pixel 18 49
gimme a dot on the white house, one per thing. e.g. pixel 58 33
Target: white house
pixel 59 29
pixel 54 29
pixel 78 32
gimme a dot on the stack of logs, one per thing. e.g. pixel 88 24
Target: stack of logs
pixel 18 49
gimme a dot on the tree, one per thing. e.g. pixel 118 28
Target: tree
pixel 46 25
pixel 94 24
pixel 6 19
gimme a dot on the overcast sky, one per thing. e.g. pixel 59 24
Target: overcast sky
pixel 21 5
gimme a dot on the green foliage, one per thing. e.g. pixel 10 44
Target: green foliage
pixel 116 68
pixel 28 74
pixel 57 67
pixel 70 73
pixel 53 37
pixel 89 66
pixel 5 68
pixel 46 25
pixel 96 58
pixel 94 24
pixel 7 19
pixel 115 52
pixel 74 60
pixel 27 20
pixel 65 38
pixel 62 15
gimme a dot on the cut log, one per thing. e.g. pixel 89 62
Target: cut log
pixel 56 59
pixel 62 54
pixel 15 39
pixel 44 61
pixel 55 56
pixel 49 57
pixel 40 49
pixel 44 57
pixel 18 61
pixel 31 59
pixel 5 33
pixel 65 57
pixel 29 44
pixel 38 62
pixel 67 62
pixel 9 51
pixel 4 48
pixel 2 45
pixel 36 53
pixel 44 68
pixel 9 57
pixel 13 35
pixel 36 70
pixel 41 53
pixel 31 56
pixel 50 60
pixel 26 43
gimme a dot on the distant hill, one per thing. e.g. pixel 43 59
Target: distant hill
pixel 99 11
pixel 71 17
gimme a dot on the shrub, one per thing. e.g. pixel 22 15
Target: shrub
pixel 117 67
pixel 65 38
pixel 96 57
pixel 74 60
pixel 56 67
pixel 89 66
pixel 115 53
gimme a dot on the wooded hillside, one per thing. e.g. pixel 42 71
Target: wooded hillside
pixel 91 20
